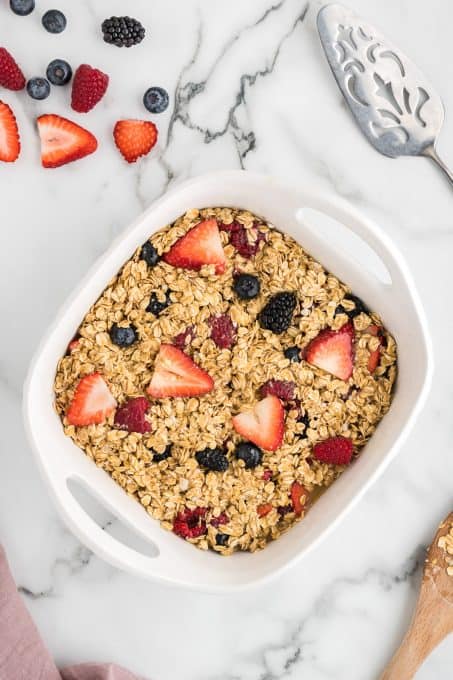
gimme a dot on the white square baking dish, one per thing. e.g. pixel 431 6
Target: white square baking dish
pixel 396 300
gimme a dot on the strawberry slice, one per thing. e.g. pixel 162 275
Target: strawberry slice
pixel 299 497
pixel 263 510
pixel 333 351
pixel 373 359
pixel 63 141
pixel 264 426
pixel 201 245
pixel 176 375
pixel 9 135
pixel 134 138
pixel 92 402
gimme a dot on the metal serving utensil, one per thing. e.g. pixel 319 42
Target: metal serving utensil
pixel 393 103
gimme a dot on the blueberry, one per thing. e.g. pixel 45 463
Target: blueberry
pixel 22 7
pixel 305 420
pixel 38 88
pixel 54 21
pixel 123 337
pixel 212 459
pixel 156 99
pixel 246 286
pixel 249 453
pixel 293 354
pixel 149 254
pixel 59 72
pixel 155 306
pixel 359 307
pixel 221 539
pixel 158 457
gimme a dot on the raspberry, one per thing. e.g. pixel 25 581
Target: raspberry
pixel 185 337
pixel 283 389
pixel 239 238
pixel 267 475
pixel 11 76
pixel 190 523
pixel 88 88
pixel 131 416
pixel 223 331
pixel 220 519
pixel 336 451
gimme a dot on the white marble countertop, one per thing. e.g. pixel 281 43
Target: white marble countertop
pixel 249 87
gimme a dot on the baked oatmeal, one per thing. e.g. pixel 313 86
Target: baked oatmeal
pixel 224 379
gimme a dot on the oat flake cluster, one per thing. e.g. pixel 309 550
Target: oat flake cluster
pixel 242 509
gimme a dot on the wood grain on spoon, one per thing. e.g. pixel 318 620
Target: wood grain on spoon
pixel 433 617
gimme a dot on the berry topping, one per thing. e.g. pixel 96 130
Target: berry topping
pixel 54 21
pixel 190 523
pixel 11 76
pixel 185 337
pixel 63 141
pixel 267 475
pixel 59 72
pixel 264 426
pixel 375 355
pixel 122 31
pixel 131 416
pixel 277 314
pixel 123 336
pixel 149 254
pixel 245 241
pixel 159 457
pixel 213 459
pixel 201 245
pixel 134 138
pixel 305 420
pixel 219 520
pixel 223 331
pixel 9 135
pixel 156 99
pixel 299 497
pixel 156 306
pixel 88 88
pixel 22 7
pixel 73 345
pixel 249 453
pixel 336 451
pixel 333 351
pixel 38 88
pixel 246 286
pixel 359 307
pixel 293 354
pixel 264 509
pixel 283 389
pixel 176 375
pixel 222 539
pixel 92 402
pixel 284 510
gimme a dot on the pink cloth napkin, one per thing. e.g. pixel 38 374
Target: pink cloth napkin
pixel 23 655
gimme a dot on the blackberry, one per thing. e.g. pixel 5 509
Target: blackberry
pixel 277 314
pixel 249 453
pixel 155 306
pixel 246 286
pixel 221 539
pixel 123 337
pixel 293 354
pixel 212 459
pixel 158 457
pixel 359 307
pixel 122 31
pixel 149 254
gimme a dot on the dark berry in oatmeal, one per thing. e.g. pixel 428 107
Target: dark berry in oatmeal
pixel 245 241
pixel 157 306
pixel 267 475
pixel 158 457
pixel 283 389
pixel 246 286
pixel 293 354
pixel 123 336
pixel 190 523
pixel 277 314
pixel 359 307
pixel 220 519
pixel 131 416
pixel 249 453
pixel 223 331
pixel 222 539
pixel 335 451
pixel 212 459
pixel 149 254
pixel 181 340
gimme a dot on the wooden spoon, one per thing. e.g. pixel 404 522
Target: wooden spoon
pixel 433 617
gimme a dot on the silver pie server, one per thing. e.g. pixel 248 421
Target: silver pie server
pixel 393 103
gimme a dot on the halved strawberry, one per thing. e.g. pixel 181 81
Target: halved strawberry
pixel 201 245
pixel 92 402
pixel 373 359
pixel 176 375
pixel 63 141
pixel 9 135
pixel 333 351
pixel 299 497
pixel 264 426
pixel 134 138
